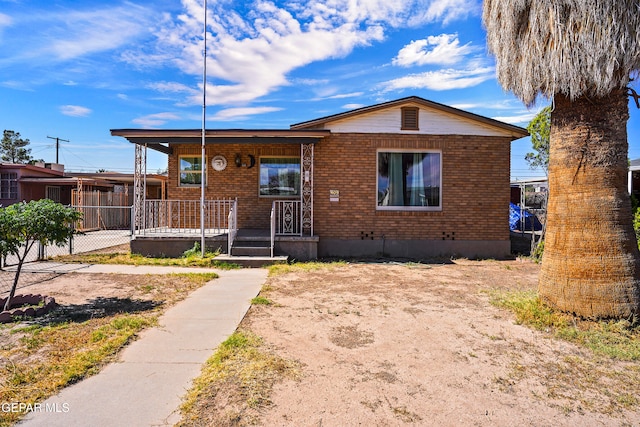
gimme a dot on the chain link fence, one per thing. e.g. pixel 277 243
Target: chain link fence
pixel 102 227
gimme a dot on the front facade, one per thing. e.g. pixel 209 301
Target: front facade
pixel 407 178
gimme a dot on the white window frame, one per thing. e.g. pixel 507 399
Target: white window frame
pixel 280 196
pixel 180 171
pixel 408 208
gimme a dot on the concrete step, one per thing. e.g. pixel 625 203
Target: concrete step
pixel 250 250
pixel 252 261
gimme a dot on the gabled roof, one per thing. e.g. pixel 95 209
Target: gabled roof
pixel 516 131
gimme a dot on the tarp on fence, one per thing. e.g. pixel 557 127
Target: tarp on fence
pixel 531 222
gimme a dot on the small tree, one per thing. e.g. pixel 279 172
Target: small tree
pixel 24 224
pixel 539 128
pixel 12 148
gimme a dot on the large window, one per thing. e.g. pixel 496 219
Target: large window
pixel 409 180
pixel 190 170
pixel 280 176
pixel 9 185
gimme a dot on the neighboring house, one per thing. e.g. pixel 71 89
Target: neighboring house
pixel 405 178
pixel 21 182
pixel 123 183
pixel 532 185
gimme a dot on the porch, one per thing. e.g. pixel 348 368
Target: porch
pixel 228 189
pixel 170 227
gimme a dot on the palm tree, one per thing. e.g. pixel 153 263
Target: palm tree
pixel 580 53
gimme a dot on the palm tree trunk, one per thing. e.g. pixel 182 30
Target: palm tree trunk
pixel 591 262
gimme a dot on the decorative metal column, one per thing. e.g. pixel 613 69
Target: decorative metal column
pixel 139 186
pixel 306 213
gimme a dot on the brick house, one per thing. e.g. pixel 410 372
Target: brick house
pixel 406 178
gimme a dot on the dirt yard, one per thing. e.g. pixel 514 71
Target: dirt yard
pixel 387 344
pixel 392 344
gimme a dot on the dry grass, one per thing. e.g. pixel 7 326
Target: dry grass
pixel 127 258
pixel 582 381
pixel 40 356
pixel 238 377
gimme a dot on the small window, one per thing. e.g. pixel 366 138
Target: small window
pixel 9 185
pixel 410 118
pixel 190 171
pixel 409 180
pixel 280 176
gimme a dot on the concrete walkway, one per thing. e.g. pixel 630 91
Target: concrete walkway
pixel 145 386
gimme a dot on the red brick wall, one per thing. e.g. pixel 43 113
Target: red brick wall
pixel 475 181
pixel 475 193
pixel 240 182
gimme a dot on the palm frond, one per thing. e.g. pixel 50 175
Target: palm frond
pixel 573 47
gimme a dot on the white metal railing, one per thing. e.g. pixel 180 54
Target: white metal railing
pixel 287 217
pixel 232 221
pixel 183 216
pixel 273 226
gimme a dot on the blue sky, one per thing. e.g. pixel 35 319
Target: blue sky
pixel 74 70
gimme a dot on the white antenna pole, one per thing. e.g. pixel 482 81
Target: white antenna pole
pixel 203 175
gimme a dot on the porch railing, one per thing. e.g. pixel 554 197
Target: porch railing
pixel 183 216
pixel 273 227
pixel 232 221
pixel 287 217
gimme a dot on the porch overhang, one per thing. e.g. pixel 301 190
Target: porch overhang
pixel 162 139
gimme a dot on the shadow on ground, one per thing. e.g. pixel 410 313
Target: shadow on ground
pixel 96 308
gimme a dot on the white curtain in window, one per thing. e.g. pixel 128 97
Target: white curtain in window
pixel 417 196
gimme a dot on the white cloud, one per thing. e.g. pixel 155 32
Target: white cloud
pixel 66 34
pixel 310 82
pixel 445 11
pixel 444 49
pixel 155 120
pixel 495 105
pixel 17 84
pixel 86 32
pixel 5 20
pixel 75 110
pixel 173 87
pixel 519 119
pixel 230 114
pixel 440 80
pixel 353 106
pixel 346 95
pixel 329 93
pixel 250 57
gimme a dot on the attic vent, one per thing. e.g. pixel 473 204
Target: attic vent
pixel 410 118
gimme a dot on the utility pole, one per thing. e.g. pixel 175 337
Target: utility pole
pixel 57 144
